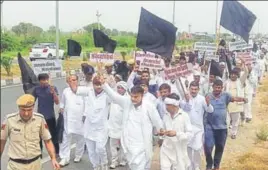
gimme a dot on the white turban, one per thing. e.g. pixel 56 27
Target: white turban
pixel 122 84
pixel 172 101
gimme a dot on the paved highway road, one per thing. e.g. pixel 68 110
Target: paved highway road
pixel 8 105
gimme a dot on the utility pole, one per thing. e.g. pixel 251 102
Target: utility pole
pixel 2 22
pixel 173 19
pixel 57 30
pixel 98 18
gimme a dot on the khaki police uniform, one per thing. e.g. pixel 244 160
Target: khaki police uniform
pixel 24 137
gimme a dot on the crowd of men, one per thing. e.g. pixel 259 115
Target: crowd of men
pixel 128 113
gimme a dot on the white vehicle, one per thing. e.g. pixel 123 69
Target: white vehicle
pixel 45 51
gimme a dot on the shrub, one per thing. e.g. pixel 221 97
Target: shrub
pixel 262 133
pixel 6 63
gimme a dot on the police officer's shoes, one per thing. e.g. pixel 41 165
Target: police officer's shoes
pixel 64 162
pixel 77 159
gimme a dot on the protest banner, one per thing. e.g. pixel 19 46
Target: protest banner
pixel 151 63
pixel 239 45
pixel 47 66
pixel 178 71
pixel 102 57
pixel 246 57
pixel 205 46
pixel 211 56
pixel 139 55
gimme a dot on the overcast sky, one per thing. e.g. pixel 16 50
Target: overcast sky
pixel 124 15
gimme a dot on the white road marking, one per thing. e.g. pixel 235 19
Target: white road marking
pixel 46 159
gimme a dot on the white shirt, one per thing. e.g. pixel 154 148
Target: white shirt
pixel 74 109
pixel 196 108
pixel 151 98
pixel 96 123
pixel 176 147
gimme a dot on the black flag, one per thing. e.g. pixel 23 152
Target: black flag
pixel 215 69
pixel 237 18
pixel 102 40
pixel 73 48
pixel 29 79
pixel 156 34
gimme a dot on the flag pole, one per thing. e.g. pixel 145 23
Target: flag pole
pixel 216 24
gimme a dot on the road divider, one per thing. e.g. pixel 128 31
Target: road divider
pixel 17 80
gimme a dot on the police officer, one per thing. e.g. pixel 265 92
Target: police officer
pixel 24 130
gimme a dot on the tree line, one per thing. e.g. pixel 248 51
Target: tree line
pixel 22 36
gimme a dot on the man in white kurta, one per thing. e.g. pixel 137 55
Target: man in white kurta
pixel 196 105
pixel 72 107
pixel 177 133
pixel 139 118
pixel 251 84
pixel 115 128
pixel 235 87
pixel 96 123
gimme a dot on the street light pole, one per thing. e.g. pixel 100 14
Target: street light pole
pixel 2 22
pixel 57 30
pixel 98 19
pixel 173 20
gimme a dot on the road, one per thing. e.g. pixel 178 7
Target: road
pixel 8 105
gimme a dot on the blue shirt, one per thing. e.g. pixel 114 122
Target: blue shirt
pixel 217 119
pixel 45 101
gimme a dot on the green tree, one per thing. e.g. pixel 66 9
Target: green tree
pixel 9 42
pixel 6 63
pixel 52 29
pixel 34 30
pixel 108 31
pixel 89 28
pixel 115 32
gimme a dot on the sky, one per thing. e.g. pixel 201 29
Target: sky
pixel 124 15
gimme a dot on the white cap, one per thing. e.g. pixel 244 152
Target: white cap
pixel 222 63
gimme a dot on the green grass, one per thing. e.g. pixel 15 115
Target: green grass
pixel 25 52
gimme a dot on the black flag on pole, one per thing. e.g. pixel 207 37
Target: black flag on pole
pixel 215 69
pixel 73 48
pixel 29 79
pixel 102 40
pixel 237 18
pixel 156 34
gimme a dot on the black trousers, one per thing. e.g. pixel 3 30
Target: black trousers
pixel 51 123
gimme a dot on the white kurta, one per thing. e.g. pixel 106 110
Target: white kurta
pixel 175 148
pixel 96 123
pixel 115 121
pixel 151 98
pixel 74 108
pixel 139 121
pixel 196 108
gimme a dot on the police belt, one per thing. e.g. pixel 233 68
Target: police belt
pixel 24 161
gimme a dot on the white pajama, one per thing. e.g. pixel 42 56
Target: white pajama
pixel 97 153
pixel 167 161
pixel 247 107
pixel 117 156
pixel 235 118
pixel 65 146
pixel 143 164
pixel 195 157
